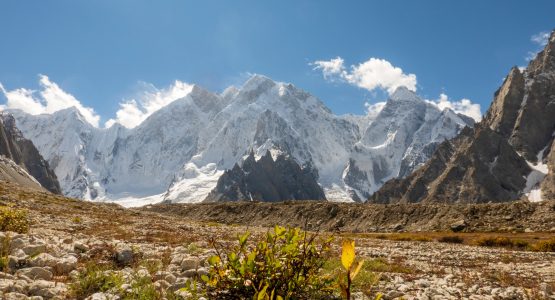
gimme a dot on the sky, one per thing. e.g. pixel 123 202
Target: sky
pixel 120 61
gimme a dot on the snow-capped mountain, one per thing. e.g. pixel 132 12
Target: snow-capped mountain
pixel 509 155
pixel 402 137
pixel 178 153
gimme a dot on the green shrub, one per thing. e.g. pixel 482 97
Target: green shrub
pixel 95 279
pixel 142 288
pixel 12 219
pixel 286 264
pixel 452 239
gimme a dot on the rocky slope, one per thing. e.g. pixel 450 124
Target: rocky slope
pixel 361 217
pixel 150 251
pixel 267 179
pixel 180 151
pixel 507 156
pixel 20 161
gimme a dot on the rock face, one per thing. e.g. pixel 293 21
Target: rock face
pixel 507 156
pixel 21 161
pixel 268 180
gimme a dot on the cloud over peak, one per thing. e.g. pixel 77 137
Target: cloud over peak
pixel 463 106
pixel 134 111
pixel 372 74
pixel 49 99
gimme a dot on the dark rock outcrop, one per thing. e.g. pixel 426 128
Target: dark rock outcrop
pixel 22 152
pixel 495 161
pixel 267 179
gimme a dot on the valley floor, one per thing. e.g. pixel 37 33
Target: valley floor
pixel 68 239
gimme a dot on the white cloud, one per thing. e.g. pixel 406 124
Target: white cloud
pixel 540 38
pixel 372 74
pixel 330 68
pixel 463 106
pixel 133 112
pixel 49 99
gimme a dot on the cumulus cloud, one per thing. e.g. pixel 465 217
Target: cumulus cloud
pixel 49 99
pixel 463 106
pixel 134 111
pixel 372 74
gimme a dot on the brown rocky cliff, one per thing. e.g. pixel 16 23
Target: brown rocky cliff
pixel 491 162
pixel 23 153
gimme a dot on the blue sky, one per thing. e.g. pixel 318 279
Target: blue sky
pixel 103 52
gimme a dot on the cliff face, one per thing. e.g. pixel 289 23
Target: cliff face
pixel 267 179
pixel 25 157
pixel 507 156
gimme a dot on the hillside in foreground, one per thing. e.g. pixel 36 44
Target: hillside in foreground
pixel 77 249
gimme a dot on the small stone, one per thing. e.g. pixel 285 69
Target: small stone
pixel 393 294
pixel 18 243
pixel 170 278
pixel 162 284
pixel 102 296
pixel 34 249
pixel 124 255
pixel 41 288
pixel 403 288
pixel 190 264
pixel 14 296
pixel 35 273
pixel 80 247
pixel 65 265
pixel 43 260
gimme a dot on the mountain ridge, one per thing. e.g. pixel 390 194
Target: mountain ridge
pixel 178 152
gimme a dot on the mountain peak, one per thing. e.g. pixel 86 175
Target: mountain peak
pixel 257 81
pixel 402 93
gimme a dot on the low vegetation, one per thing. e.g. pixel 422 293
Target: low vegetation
pixel 540 242
pixel 503 242
pixel 544 246
pixel 95 278
pixel 4 252
pixel 285 264
pixel 452 239
pixel 12 219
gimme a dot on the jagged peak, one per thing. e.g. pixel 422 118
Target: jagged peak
pixel 402 93
pixel 256 81
pixel 198 90
pixel 70 112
